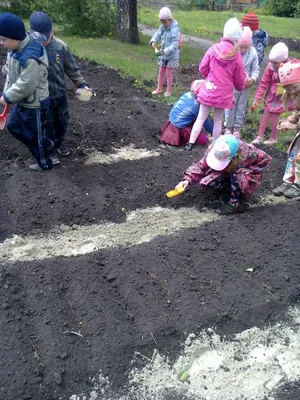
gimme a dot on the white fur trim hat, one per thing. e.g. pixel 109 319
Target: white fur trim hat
pixel 165 13
pixel 279 52
pixel 232 29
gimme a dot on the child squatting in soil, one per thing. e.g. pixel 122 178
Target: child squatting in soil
pixel 169 35
pixel 260 38
pixel 235 118
pixel 268 88
pixel 230 166
pixel 176 131
pixel 223 69
pixel 289 75
pixel 26 87
pixel 61 62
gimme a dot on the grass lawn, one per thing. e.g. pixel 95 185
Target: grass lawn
pixel 209 24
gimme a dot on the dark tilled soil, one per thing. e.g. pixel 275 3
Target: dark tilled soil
pixel 117 298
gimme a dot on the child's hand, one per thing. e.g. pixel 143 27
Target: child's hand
pixel 183 184
pixel 249 83
pixel 153 45
pixel 254 106
pixel 2 101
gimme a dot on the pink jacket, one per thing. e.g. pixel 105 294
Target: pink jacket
pixel 248 172
pixel 268 87
pixel 221 75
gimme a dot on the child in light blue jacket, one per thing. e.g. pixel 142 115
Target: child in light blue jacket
pixel 235 117
pixel 168 34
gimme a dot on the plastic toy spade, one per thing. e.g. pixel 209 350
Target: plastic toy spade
pixel 3 117
pixel 175 192
pixel 157 51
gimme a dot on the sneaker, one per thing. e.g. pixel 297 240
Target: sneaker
pixel 257 140
pixel 156 92
pixel 188 147
pixel 35 168
pixel 280 190
pixel 227 208
pixel 270 142
pixel 63 150
pixel 227 132
pixel 236 133
pixel 293 192
pixel 55 160
pixel 167 94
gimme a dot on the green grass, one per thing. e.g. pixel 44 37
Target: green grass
pixel 209 24
pixel 138 62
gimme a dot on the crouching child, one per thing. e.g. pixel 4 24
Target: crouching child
pixel 230 166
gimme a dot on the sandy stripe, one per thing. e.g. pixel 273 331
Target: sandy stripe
pixel 125 153
pixel 140 226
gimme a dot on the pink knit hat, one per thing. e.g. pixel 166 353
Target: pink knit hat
pixel 196 85
pixel 279 52
pixel 165 13
pixel 246 37
pixel 289 72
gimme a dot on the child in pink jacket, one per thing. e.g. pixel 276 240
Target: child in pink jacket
pixel 223 69
pixel 268 87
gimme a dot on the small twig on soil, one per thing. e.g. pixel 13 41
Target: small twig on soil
pixel 154 339
pixel 73 333
pixel 142 355
pixel 146 112
pixel 270 291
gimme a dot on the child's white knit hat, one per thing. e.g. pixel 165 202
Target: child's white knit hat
pixel 232 29
pixel 279 52
pixel 165 13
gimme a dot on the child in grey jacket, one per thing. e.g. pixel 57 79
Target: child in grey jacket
pixel 61 62
pixel 26 87
pixel 169 34
pixel 235 118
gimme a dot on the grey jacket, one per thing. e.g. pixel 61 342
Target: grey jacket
pixel 61 62
pixel 169 38
pixel 26 72
pixel 250 61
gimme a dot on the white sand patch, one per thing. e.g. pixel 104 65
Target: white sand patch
pixel 121 154
pixel 140 226
pixel 251 366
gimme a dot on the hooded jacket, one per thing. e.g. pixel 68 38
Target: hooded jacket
pixel 260 40
pixel 222 74
pixel 26 72
pixel 169 38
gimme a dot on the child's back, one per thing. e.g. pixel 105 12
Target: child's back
pixel 260 42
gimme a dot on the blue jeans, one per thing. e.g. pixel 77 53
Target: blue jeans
pixel 28 126
pixel 57 120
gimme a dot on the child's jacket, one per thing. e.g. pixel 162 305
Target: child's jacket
pixel 221 75
pixel 61 62
pixel 248 172
pixel 26 75
pixel 268 87
pixel 169 38
pixel 260 40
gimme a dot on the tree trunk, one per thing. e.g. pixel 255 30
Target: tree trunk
pixel 127 21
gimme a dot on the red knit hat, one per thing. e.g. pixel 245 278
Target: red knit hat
pixel 251 20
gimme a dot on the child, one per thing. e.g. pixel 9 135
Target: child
pixel 223 70
pixel 61 62
pixel 289 75
pixel 268 87
pixel 26 87
pixel 260 38
pixel 235 118
pixel 169 34
pixel 230 166
pixel 176 131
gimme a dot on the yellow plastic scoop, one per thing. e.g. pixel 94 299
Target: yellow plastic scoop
pixel 175 192
pixel 279 88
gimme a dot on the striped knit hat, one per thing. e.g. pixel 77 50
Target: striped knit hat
pixel 251 20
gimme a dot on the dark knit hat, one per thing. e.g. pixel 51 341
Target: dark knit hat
pixel 12 27
pixel 40 26
pixel 251 20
